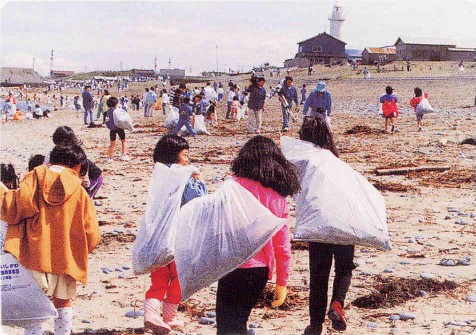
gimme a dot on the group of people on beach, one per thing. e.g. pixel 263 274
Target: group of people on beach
pixel 56 197
pixel 389 107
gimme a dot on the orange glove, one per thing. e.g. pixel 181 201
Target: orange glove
pixel 280 293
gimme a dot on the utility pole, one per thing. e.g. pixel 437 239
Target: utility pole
pixel 33 63
pixel 51 62
pixel 170 62
pixel 217 56
pixel 120 73
pixel 155 65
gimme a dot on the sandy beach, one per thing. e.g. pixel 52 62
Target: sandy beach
pixel 431 215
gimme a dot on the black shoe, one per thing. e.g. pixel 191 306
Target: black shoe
pixel 313 330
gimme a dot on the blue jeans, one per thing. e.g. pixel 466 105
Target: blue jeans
pixel 163 107
pixel 220 96
pixel 91 116
pixel 286 115
pixel 186 123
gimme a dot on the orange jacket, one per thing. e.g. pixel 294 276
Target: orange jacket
pixel 52 223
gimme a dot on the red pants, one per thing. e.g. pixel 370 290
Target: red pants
pixel 165 284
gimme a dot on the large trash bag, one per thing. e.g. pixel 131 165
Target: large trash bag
pixel 154 243
pixel 23 302
pixel 424 107
pixel 337 204
pixel 199 125
pixel 122 119
pixel 219 232
pixel 171 119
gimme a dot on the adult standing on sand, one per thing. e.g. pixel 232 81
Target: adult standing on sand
pixel 150 101
pixel 88 103
pixel 320 102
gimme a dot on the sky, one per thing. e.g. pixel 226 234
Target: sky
pixel 100 35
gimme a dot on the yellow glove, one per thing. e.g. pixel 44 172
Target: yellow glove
pixel 279 296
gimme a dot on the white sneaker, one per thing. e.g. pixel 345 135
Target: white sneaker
pixel 286 129
pixel 124 158
pixel 109 161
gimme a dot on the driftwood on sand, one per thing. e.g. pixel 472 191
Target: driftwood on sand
pixel 385 172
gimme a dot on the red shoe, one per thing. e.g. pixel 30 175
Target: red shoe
pixel 336 314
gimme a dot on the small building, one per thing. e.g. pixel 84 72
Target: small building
pixel 320 49
pixel 384 55
pixel 417 49
pixel 60 74
pixel 354 55
pixel 461 54
pixel 14 76
pixel 172 73
pixel 143 75
pixel 421 49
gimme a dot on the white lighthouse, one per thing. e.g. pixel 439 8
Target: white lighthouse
pixel 337 19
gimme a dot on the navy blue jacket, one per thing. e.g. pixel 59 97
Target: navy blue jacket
pixel 257 98
pixel 290 94
pixel 87 100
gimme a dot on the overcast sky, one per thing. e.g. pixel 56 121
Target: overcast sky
pixel 98 35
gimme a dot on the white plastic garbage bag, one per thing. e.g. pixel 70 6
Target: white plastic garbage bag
pixel 122 119
pixel 241 113
pixel 171 119
pixel 380 110
pixel 424 107
pixel 217 233
pixel 337 204
pixel 199 125
pixel 154 243
pixel 23 302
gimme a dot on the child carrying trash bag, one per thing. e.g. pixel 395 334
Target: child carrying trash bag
pixel 337 209
pixel 52 227
pixel 389 107
pixel 261 169
pixel 415 102
pixel 316 131
pixel 164 295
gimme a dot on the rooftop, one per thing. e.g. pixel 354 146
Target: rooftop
pixel 321 34
pixel 386 50
pixel 426 41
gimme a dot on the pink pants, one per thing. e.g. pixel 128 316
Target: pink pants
pixel 165 284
